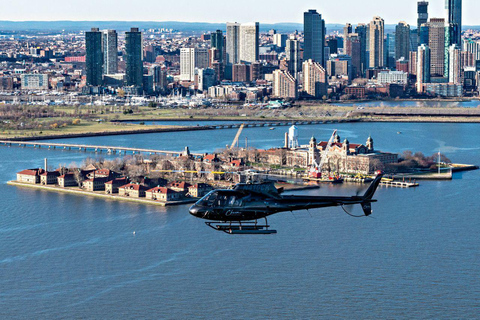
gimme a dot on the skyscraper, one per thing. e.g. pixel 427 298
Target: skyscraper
pixel 134 57
pixel 402 40
pixel 353 49
pixel 424 34
pixel 217 42
pixel 280 40
pixel 314 79
pixel 110 52
pixel 436 42
pixel 451 32
pixel 361 31
pixel 376 34
pixel 454 17
pixel 233 43
pixel 422 15
pixel 242 42
pixel 293 57
pixel 423 67
pixel 94 58
pixel 347 30
pixel 314 42
pixel 455 68
pixel 389 51
pixel 191 59
pixel 249 42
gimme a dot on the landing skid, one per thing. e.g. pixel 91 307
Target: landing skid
pixel 232 228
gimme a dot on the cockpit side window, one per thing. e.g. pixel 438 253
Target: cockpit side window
pixel 208 200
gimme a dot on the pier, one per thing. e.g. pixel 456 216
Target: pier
pixel 91 148
pixel 399 184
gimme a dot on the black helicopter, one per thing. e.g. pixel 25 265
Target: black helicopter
pixel 237 211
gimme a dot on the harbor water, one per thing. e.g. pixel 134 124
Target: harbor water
pixel 67 256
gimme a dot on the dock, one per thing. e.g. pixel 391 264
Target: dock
pixel 399 184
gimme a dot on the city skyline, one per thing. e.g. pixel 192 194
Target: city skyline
pixel 352 11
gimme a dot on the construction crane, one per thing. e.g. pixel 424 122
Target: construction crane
pixel 316 169
pixel 235 141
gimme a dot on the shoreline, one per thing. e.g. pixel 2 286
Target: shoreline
pixel 99 195
pixel 422 119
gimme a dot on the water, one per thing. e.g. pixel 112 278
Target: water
pixel 64 256
pixel 413 104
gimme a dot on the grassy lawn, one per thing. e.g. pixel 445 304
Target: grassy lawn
pixel 84 127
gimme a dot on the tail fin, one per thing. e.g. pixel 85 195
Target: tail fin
pixel 373 188
pixel 368 196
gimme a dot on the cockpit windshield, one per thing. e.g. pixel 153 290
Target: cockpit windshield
pixel 221 199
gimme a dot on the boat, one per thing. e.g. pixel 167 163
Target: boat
pixel 272 128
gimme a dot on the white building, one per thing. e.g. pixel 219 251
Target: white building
pixel 242 42
pixel 280 40
pixel 206 78
pixel 191 58
pixel 398 77
pixel 249 42
pixel 34 81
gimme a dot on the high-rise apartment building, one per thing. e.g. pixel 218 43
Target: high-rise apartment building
pixel 249 42
pixel 284 85
pixel 314 33
pixel 280 40
pixel 402 40
pixel 423 67
pixel 134 57
pixel 190 59
pixel 455 68
pixel 389 51
pixel 292 51
pixel 242 45
pixel 361 31
pixel 217 41
pixel 353 49
pixel 110 51
pixel 454 19
pixel 436 43
pixel 233 43
pixel 347 30
pixel 424 34
pixel 473 47
pixel 376 34
pixel 422 16
pixel 159 78
pixel 315 79
pixel 94 58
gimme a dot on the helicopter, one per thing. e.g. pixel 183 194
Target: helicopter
pixel 237 210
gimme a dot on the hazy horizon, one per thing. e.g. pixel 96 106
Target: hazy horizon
pixel 215 11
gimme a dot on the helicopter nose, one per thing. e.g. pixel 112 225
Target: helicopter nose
pixel 195 211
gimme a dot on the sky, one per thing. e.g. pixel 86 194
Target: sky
pixel 266 11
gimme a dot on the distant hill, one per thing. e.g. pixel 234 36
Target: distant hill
pixel 197 27
pixel 194 27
